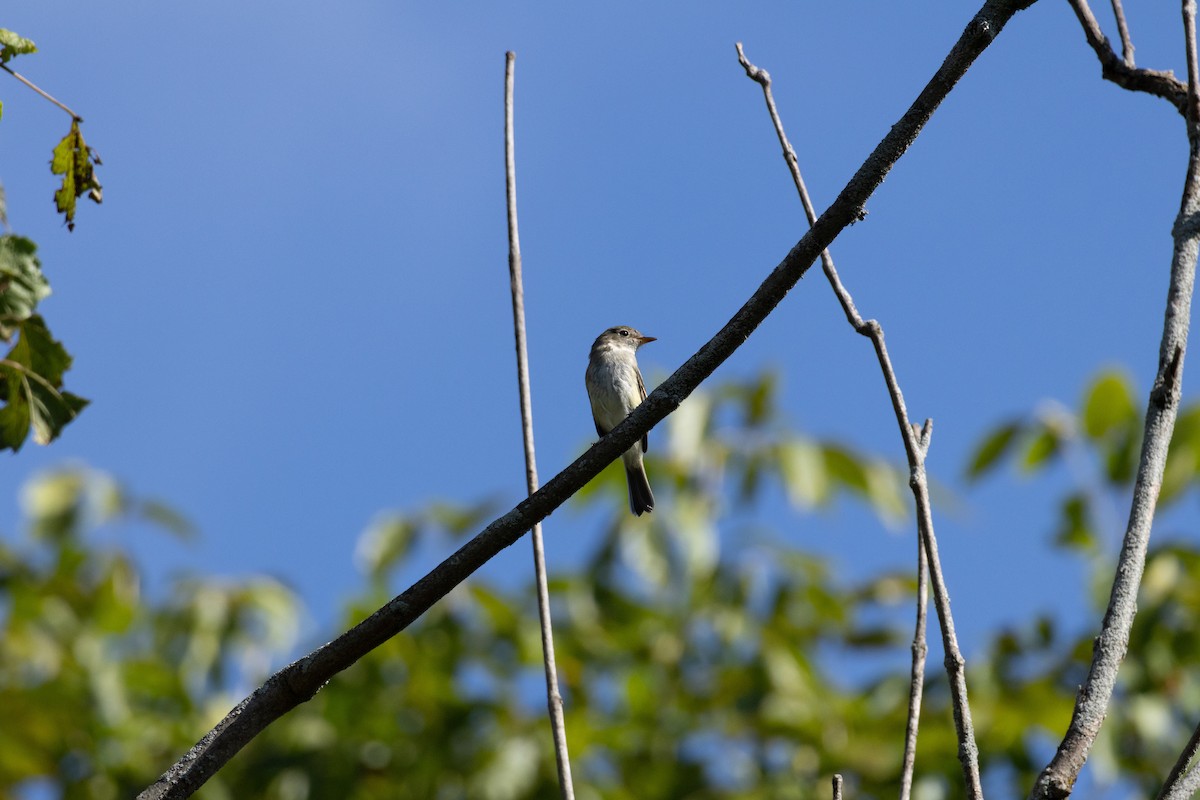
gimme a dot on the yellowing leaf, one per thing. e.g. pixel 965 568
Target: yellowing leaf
pixel 73 159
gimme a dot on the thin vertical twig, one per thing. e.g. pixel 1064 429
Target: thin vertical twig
pixel 1111 645
pixel 1123 30
pixel 916 685
pixel 553 697
pixel 837 786
pixel 1193 67
pixel 916 446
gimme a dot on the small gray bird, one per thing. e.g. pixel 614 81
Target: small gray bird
pixel 615 388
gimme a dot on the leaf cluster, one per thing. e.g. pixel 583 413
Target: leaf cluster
pixel 31 373
pixel 97 681
pixel 1099 444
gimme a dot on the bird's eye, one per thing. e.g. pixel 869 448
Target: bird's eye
pixel 623 332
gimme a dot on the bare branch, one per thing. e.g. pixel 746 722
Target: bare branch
pixel 40 91
pixel 837 786
pixel 558 725
pixel 917 683
pixel 916 446
pixel 300 680
pixel 1123 30
pixel 1173 787
pixel 1180 785
pixel 1187 787
pixel 1111 645
pixel 1159 83
pixel 1189 43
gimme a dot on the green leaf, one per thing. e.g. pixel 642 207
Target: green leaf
pixel 802 466
pixel 385 544
pixel 32 373
pixel 1075 530
pixel 499 612
pixel 73 159
pixel 992 449
pixel 1183 459
pixel 1121 456
pixel 458 521
pixel 884 490
pixel 1108 405
pixel 54 503
pixel 688 429
pixel 760 400
pixel 846 468
pixel 695 534
pixel 13 45
pixel 872 637
pixel 1041 448
pixel 1179 471
pixel 15 415
pixel 22 284
pixel 751 478
pixel 167 518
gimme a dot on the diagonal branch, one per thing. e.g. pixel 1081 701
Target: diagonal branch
pixel 916 446
pixel 1187 786
pixel 558 725
pixel 41 91
pixel 300 680
pixel 1111 645
pixel 1159 83
pixel 1180 785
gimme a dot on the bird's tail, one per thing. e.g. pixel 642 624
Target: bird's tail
pixel 641 499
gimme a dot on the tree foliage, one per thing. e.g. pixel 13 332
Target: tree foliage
pixel 31 374
pixel 702 654
pixel 72 158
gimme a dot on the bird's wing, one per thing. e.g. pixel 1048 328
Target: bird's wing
pixel 600 430
pixel 642 392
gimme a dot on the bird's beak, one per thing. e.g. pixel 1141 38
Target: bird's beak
pixel 645 339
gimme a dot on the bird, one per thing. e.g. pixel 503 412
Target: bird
pixel 615 388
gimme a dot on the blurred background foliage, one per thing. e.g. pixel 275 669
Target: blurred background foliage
pixel 702 654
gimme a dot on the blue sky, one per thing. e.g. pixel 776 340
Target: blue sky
pixel 291 312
